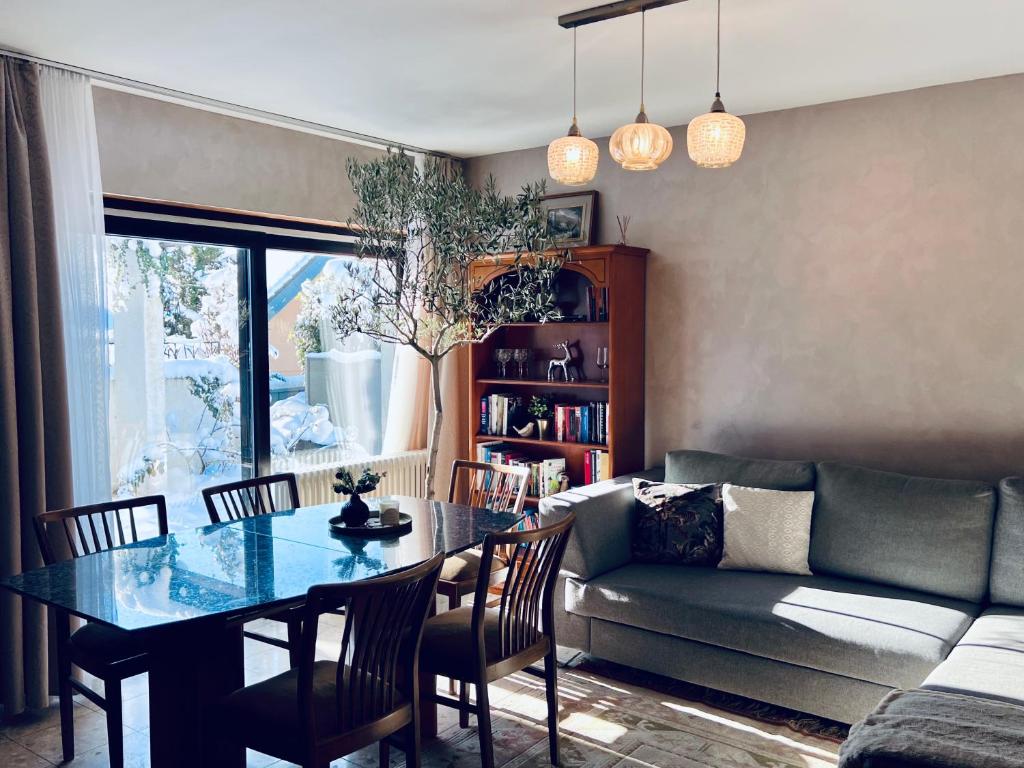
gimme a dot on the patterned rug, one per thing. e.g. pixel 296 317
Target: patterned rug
pixel 809 725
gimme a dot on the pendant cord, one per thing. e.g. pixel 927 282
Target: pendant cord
pixel 574 74
pixel 718 53
pixel 643 43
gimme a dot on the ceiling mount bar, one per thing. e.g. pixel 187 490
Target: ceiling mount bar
pixel 611 11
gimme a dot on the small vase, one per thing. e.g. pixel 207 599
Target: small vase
pixel 542 429
pixel 354 512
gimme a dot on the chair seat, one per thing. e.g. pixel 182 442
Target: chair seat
pixel 465 566
pixel 95 645
pixel 265 716
pixel 447 647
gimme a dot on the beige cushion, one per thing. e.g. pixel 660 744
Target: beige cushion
pixel 465 566
pixel 447 647
pixel 766 530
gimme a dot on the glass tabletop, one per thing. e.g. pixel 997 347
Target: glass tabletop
pixel 241 568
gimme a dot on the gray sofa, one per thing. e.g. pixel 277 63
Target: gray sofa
pixel 917 582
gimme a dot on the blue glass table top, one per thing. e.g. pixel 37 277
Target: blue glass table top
pixel 247 567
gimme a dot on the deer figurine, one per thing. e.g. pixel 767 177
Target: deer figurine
pixel 569 370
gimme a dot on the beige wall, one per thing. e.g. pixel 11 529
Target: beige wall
pixel 851 289
pixel 157 149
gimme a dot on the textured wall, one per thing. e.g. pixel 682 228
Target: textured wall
pixel 157 149
pixel 851 289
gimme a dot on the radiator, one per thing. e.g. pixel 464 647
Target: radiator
pixel 406 476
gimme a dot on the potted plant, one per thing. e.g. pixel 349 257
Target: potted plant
pixel 540 409
pixel 354 512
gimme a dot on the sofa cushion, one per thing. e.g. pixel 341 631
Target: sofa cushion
pixel 674 523
pixel 702 467
pixel 988 661
pixel 870 632
pixel 1007 575
pixel 912 532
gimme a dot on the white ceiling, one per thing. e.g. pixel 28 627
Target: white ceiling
pixel 472 77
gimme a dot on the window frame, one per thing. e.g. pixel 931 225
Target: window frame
pixel 253 234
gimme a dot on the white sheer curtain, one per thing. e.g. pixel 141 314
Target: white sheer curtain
pixel 78 207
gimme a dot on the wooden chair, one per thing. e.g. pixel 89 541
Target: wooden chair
pixel 478 644
pixel 498 487
pixel 105 652
pixel 323 710
pixel 249 498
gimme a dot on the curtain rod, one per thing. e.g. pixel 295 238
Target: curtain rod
pixel 223 106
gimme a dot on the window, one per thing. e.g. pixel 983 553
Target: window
pixel 224 362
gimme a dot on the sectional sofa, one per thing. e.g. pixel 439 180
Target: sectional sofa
pixel 917 583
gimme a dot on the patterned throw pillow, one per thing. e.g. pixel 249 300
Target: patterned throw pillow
pixel 675 523
pixel 767 530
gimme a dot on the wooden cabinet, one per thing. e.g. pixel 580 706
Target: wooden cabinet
pixel 619 269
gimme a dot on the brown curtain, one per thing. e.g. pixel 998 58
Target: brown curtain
pixel 35 460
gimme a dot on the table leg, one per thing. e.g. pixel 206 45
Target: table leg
pixel 192 667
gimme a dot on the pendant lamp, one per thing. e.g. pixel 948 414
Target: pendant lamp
pixel 642 145
pixel 572 159
pixel 715 139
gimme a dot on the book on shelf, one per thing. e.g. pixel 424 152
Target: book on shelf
pixel 597 304
pixel 596 466
pixel 501 412
pixel 587 423
pixel 545 474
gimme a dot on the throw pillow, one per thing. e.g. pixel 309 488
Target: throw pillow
pixel 766 530
pixel 674 523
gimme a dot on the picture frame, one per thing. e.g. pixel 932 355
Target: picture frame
pixel 571 218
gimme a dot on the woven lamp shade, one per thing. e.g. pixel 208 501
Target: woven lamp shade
pixel 640 146
pixel 572 160
pixel 715 139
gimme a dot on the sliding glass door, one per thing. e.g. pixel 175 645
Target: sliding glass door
pixel 175 349
pixel 328 397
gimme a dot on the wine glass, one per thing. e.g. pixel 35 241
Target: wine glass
pixel 522 356
pixel 602 363
pixel 504 357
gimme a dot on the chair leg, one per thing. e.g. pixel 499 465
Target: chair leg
pixel 483 723
pixel 551 688
pixel 463 704
pixel 294 641
pixel 413 756
pixel 384 752
pixel 115 733
pixel 455 601
pixel 67 704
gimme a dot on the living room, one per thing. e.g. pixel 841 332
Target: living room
pixel 708 302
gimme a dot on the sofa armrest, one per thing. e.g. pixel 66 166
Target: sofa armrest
pixel 601 538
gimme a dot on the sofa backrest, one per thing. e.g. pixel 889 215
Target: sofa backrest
pixel 705 467
pixel 919 533
pixel 1006 584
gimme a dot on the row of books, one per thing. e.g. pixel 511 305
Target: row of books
pixel 545 474
pixel 597 304
pixel 596 466
pixel 500 413
pixel 582 423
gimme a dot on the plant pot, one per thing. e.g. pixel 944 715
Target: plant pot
pixel 542 429
pixel 354 511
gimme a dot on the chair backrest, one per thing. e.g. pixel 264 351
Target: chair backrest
pixel 500 487
pixel 248 498
pixel 527 598
pixel 377 664
pixel 97 527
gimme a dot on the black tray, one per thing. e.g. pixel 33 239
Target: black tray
pixel 373 529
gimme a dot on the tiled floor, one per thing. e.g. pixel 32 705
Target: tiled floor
pixel 604 724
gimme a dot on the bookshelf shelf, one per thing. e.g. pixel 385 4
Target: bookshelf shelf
pixel 563 444
pixel 546 384
pixel 618 273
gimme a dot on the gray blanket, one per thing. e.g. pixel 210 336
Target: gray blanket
pixel 930 729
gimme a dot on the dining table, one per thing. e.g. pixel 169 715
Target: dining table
pixel 187 595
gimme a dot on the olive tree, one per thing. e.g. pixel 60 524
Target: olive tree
pixel 420 230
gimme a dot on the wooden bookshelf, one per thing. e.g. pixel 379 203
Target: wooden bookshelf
pixel 619 269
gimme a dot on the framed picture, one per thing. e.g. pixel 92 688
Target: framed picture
pixel 570 217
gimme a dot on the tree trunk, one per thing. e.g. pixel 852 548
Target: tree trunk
pixel 435 433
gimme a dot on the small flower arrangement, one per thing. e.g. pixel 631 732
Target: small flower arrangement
pixel 366 483
pixel 540 407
